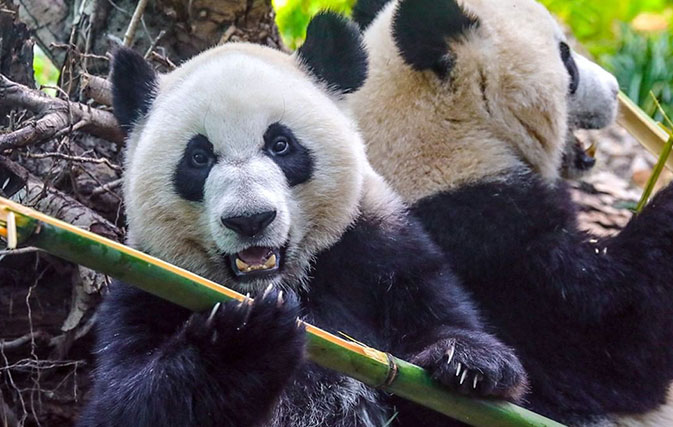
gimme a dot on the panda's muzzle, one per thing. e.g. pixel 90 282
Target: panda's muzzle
pixel 255 261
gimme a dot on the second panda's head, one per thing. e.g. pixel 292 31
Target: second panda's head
pixel 240 165
pixel 463 91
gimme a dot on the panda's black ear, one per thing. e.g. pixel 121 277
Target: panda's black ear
pixel 134 85
pixel 365 11
pixel 422 30
pixel 334 52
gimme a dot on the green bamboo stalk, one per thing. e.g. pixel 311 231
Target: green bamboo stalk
pixel 663 158
pixel 372 367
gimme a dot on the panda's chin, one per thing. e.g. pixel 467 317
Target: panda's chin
pixel 256 262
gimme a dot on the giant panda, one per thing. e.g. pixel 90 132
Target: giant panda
pixel 465 112
pixel 244 166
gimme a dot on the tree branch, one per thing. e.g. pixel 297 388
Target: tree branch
pixel 57 115
pixel 135 19
pixel 52 202
pixel 97 88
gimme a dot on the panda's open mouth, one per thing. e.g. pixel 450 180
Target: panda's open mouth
pixel 255 261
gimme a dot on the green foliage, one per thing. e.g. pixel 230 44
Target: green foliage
pixel 641 60
pixel 45 72
pixel 293 16
pixel 644 63
pixel 595 23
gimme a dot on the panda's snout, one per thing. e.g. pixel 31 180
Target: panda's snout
pixel 249 225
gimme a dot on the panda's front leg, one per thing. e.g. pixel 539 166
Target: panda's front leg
pixel 254 347
pixel 474 363
pixel 159 365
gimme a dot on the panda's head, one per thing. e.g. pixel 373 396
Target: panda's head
pixel 240 164
pixel 462 91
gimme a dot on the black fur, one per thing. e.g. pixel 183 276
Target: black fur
pixel 364 11
pixel 333 52
pixel 134 84
pixel 571 66
pixel 422 30
pixel 592 321
pixel 387 287
pixel 190 177
pixel 296 162
pixel 160 366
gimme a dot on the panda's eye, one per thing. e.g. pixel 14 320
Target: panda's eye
pixel 571 67
pixel 280 146
pixel 288 152
pixel 200 159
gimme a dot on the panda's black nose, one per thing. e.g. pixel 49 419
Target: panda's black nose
pixel 249 225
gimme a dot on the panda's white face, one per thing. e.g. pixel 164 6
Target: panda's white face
pixel 243 170
pixel 594 104
pixel 463 91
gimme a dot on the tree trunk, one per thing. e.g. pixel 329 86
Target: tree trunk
pixel 177 29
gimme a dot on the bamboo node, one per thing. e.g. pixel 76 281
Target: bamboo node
pixel 393 370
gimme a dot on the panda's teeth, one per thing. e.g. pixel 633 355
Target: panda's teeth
pixel 591 151
pixel 242 266
pixel 271 262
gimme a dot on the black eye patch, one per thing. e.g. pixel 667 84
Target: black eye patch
pixel 571 66
pixel 294 159
pixel 193 169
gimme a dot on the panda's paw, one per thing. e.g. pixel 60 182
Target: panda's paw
pixel 475 364
pixel 261 330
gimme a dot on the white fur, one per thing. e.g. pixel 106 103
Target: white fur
pixel 594 104
pixel 231 94
pixel 505 106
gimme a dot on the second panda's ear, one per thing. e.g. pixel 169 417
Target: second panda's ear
pixel 334 52
pixel 364 11
pixel 422 30
pixel 134 85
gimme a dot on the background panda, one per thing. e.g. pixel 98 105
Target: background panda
pixel 241 166
pixel 465 112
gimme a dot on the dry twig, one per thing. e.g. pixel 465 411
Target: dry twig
pixel 55 203
pixel 135 19
pixel 22 340
pixel 56 115
pixel 83 159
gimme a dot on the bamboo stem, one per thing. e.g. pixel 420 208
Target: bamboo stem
pixel 189 290
pixel 661 161
pixel 642 127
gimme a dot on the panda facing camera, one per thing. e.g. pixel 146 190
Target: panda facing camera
pixel 242 165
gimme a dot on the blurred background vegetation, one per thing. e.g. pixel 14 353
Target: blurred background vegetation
pixel 631 38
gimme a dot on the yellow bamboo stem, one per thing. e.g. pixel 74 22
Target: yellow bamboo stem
pixel 642 127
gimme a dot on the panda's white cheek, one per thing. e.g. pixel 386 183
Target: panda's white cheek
pixel 295 221
pixel 594 105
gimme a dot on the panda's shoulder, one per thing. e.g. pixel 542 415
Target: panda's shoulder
pixel 376 247
pixel 526 199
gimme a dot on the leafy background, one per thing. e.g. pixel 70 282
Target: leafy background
pixel 632 39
